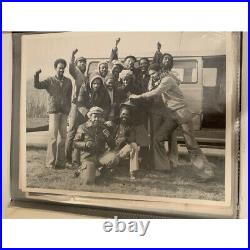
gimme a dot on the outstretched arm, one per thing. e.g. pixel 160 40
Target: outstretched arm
pixel 162 87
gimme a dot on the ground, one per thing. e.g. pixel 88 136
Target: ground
pixel 181 183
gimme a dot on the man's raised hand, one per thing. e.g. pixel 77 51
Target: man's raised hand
pixel 159 46
pixel 117 41
pixel 38 72
pixel 74 51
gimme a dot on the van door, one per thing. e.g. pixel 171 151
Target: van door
pixel 189 71
pixel 214 91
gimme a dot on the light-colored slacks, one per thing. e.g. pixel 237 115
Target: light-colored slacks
pixel 56 144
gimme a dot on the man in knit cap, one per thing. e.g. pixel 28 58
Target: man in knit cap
pixel 77 69
pixel 91 139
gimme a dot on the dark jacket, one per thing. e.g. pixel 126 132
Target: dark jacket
pixel 142 82
pixel 118 97
pixel 123 134
pixel 59 93
pixel 87 132
pixel 88 99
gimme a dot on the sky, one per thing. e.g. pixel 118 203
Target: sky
pixel 41 50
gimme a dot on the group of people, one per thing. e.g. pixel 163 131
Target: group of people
pixel 118 112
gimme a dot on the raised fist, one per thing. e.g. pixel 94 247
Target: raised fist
pixel 158 45
pixel 38 72
pixel 117 41
pixel 75 51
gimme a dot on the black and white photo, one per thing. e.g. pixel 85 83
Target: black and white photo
pixel 136 116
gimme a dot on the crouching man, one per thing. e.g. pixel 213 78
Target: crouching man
pixel 124 134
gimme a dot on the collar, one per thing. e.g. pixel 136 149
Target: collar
pixel 61 80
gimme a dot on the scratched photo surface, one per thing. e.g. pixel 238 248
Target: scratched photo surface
pixel 136 113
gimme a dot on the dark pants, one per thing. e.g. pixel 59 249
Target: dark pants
pixel 162 131
pixel 75 119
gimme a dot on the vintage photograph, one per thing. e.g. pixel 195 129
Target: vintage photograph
pixel 141 114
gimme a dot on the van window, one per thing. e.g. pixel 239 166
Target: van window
pixel 92 67
pixel 186 71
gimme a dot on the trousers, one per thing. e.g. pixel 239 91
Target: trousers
pixel 75 119
pixel 56 144
pixel 109 159
pixel 162 131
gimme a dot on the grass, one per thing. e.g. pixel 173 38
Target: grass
pixel 181 183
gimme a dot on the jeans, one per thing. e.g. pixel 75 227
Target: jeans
pixel 57 136
pixel 75 119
